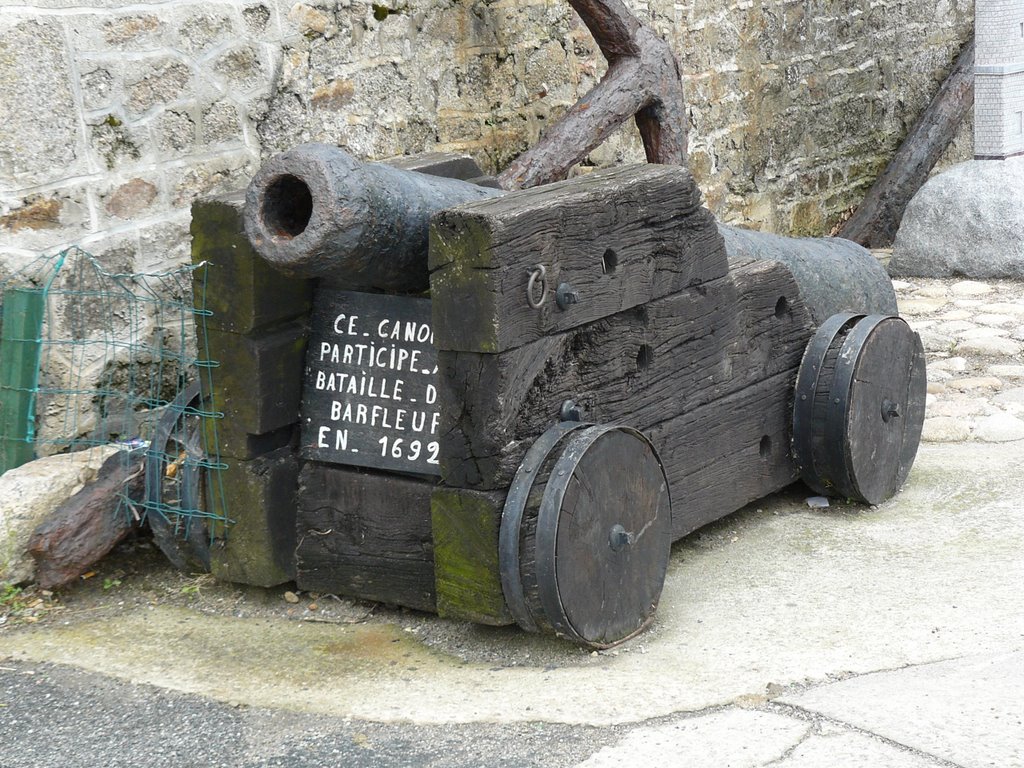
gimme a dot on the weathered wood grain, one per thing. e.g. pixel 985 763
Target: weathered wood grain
pixel 728 453
pixel 639 368
pixel 258 497
pixel 254 333
pixel 89 524
pixel 620 238
pixel 465 526
pixel 257 385
pixel 365 534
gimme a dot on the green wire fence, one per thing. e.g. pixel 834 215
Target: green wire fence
pixel 93 357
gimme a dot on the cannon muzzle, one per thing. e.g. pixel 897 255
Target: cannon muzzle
pixel 315 211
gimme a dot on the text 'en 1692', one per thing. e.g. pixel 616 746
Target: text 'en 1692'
pixel 370 390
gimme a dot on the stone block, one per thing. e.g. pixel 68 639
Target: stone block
pixel 128 200
pixel 199 31
pixel 999 427
pixel 164 247
pixel 40 220
pixel 221 124
pixel 965 222
pixel 256 17
pixel 38 117
pixel 242 69
pixel 135 30
pixel 227 172
pixel 175 131
pixel 115 144
pixel 29 494
pixel 945 429
pixel 157 83
pixel 99 88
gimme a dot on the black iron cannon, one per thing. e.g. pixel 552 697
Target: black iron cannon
pixel 599 370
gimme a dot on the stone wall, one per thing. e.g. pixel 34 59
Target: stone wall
pixel 113 117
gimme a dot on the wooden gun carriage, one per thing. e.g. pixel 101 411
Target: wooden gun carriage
pixel 611 369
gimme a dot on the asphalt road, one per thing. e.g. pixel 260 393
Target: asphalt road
pixel 53 716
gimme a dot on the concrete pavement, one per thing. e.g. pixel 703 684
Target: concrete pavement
pixel 786 636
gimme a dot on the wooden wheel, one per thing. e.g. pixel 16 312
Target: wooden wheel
pixel 182 537
pixel 585 534
pixel 859 406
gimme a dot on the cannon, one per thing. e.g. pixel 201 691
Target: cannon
pixel 505 407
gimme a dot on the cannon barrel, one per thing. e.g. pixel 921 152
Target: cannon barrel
pixel 315 211
pixel 834 275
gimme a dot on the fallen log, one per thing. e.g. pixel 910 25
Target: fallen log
pixel 875 222
pixel 89 524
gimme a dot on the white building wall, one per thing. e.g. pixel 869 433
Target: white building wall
pixel 999 79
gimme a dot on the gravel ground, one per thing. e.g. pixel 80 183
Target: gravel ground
pixel 973 333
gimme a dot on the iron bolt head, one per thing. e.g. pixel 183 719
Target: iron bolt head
pixel 570 411
pixel 890 410
pixel 565 295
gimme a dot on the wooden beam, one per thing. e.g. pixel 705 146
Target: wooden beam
pixel 365 534
pixel 257 545
pixel 465 530
pixel 875 222
pixel 640 367
pixel 619 238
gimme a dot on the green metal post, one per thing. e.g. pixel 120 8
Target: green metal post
pixel 20 347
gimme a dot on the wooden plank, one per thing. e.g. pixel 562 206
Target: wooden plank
pixel 620 237
pixel 640 367
pixel 240 290
pixel 449 165
pixel 258 497
pixel 366 535
pixel 465 530
pixel 728 453
pixel 257 385
pixel 20 345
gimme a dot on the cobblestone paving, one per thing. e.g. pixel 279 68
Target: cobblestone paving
pixel 973 334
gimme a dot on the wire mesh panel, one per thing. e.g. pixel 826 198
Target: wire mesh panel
pixel 90 356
